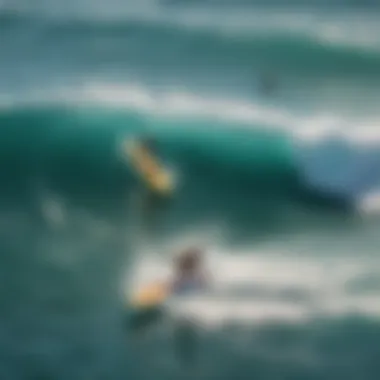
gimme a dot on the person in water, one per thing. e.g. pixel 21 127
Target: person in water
pixel 189 276
pixel 189 273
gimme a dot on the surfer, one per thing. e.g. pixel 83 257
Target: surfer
pixel 189 277
pixel 154 186
pixel 189 273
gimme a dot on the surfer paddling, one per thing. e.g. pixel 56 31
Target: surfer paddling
pixel 189 276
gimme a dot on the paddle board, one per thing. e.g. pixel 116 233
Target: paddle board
pixel 148 167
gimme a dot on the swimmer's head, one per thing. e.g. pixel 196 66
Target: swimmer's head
pixel 189 260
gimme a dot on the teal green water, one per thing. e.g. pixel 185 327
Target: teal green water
pixel 266 115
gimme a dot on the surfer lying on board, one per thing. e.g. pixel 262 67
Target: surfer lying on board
pixel 189 276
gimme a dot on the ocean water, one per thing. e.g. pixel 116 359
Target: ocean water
pixel 267 114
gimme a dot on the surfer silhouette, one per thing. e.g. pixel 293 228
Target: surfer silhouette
pixel 189 277
pixel 189 273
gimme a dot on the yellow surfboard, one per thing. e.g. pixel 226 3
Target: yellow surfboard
pixel 156 177
pixel 150 296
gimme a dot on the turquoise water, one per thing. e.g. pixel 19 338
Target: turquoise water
pixel 267 114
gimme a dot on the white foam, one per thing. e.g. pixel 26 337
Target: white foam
pixel 177 103
pixel 321 283
pixel 314 127
pixel 363 305
pixel 370 203
pixel 210 313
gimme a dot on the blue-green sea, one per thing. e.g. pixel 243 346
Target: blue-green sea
pixel 267 115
